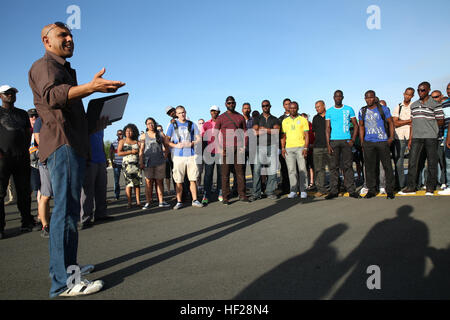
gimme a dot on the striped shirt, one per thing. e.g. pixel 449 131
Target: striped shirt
pixel 446 110
pixel 424 119
pixel 117 159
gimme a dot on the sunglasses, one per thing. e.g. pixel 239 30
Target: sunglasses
pixel 58 24
pixel 265 105
pixel 231 102
pixel 435 97
pixel 421 90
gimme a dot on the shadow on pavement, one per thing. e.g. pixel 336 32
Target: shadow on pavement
pixel 235 224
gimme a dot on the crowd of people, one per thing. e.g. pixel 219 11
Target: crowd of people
pixel 53 151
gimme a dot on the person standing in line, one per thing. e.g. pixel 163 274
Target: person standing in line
pixel 65 148
pixel 376 139
pixel 339 143
pixel 438 97
pixel 168 176
pixel 231 128
pixel 182 137
pixel 116 163
pixel 427 116
pixel 284 184
pixel 246 112
pixel 15 137
pixel 35 179
pixel 129 149
pixel 294 148
pixel 201 165
pixel 320 151
pixel 309 158
pixel 265 127
pixel 446 110
pixel 214 157
pixel 46 191
pixel 152 160
pixel 402 122
pixel 93 192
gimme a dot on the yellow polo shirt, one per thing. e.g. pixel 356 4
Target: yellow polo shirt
pixel 295 131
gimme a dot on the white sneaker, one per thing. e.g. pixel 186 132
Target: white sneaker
pixel 292 195
pixel 178 206
pixel 86 269
pixel 429 193
pixel 197 204
pixel 83 288
pixel 147 206
pixel 303 195
pixel 382 191
pixel 445 192
pixel 364 190
pixel 443 186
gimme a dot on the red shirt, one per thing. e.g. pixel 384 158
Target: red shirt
pixel 231 121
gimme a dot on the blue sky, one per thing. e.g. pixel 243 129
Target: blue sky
pixel 196 53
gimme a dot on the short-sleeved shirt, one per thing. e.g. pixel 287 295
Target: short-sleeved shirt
pixel 402 132
pixel 117 159
pixel 231 121
pixel 340 119
pixel 97 147
pixel 318 127
pixel 446 110
pixel 294 129
pixel 183 136
pixel 15 129
pixel 268 123
pixel 374 124
pixel 424 119
pixel 208 133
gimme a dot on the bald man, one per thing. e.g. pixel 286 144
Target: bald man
pixel 64 148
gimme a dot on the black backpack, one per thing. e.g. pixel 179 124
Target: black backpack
pixel 383 117
pixel 175 127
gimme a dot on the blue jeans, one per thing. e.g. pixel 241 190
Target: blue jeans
pixel 117 170
pixel 208 178
pixel 400 149
pixel 66 174
pixel 447 164
pixel 264 159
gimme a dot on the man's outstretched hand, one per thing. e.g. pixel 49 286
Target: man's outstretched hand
pixel 99 84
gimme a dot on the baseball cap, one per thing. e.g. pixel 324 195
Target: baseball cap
pixel 169 108
pixel 32 112
pixel 6 87
pixel 216 108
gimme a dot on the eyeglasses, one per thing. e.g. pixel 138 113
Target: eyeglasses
pixel 231 102
pixel 58 24
pixel 421 90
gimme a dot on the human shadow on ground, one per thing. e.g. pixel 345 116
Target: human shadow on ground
pixel 306 276
pixel 231 226
pixel 398 246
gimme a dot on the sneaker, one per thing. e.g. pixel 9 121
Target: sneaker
pixel 355 195
pixel 303 195
pixel 85 287
pixel 27 227
pixel 370 195
pixel 331 196
pixel 220 198
pixel 443 186
pixel 407 191
pixel 292 195
pixel 364 190
pixel 272 197
pixel 45 232
pixel 147 206
pixel 164 205
pixel 205 200
pixel 2 235
pixel 86 269
pixel 255 198
pixel 429 193
pixel 445 192
pixel 382 191
pixel 390 195
pixel 197 204
pixel 178 206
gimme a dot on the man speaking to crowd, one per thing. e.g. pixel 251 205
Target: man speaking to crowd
pixel 65 148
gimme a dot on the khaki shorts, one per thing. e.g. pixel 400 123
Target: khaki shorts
pixel 158 172
pixel 183 165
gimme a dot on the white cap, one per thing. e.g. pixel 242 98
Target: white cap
pixel 6 87
pixel 168 108
pixel 216 108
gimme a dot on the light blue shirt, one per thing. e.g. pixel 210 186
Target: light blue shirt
pixel 185 136
pixel 374 124
pixel 340 122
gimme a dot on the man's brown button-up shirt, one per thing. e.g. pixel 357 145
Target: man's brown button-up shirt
pixel 63 121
